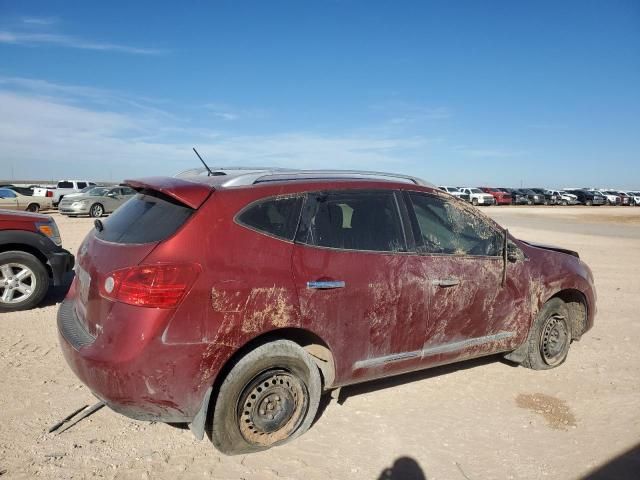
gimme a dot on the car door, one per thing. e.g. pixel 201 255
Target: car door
pixel 471 312
pixel 8 199
pixel 111 199
pixel 355 283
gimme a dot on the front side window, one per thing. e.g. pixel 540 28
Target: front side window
pixel 443 228
pixel 353 221
pixel 64 184
pixel 274 216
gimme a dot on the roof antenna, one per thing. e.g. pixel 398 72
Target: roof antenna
pixel 205 165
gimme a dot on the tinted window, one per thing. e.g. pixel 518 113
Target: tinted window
pixel 441 227
pixel 81 185
pixel 7 194
pixel 147 217
pixel 275 216
pixel 353 221
pixel 128 191
pixel 65 184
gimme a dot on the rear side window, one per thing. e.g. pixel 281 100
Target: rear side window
pixel 147 217
pixel 441 227
pixel 274 216
pixel 353 221
pixel 65 184
pixel 81 185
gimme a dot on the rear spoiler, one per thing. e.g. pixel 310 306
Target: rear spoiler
pixel 191 194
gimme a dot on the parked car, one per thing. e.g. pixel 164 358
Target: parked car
pixel 455 191
pixel 240 299
pixel 529 196
pixel 10 200
pixel 634 197
pixel 516 197
pixel 588 197
pixel 477 196
pixel 96 201
pixel 612 197
pixel 26 191
pixel 548 197
pixel 564 198
pixel 65 187
pixel 500 196
pixel 625 199
pixel 31 259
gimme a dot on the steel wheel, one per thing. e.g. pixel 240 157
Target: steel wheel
pixel 272 407
pixel 96 210
pixel 17 283
pixel 554 339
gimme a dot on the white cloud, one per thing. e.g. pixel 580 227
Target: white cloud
pixel 50 137
pixel 35 39
pixel 40 20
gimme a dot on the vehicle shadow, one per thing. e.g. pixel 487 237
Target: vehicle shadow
pixel 624 466
pixel 404 468
pixel 402 379
pixel 56 294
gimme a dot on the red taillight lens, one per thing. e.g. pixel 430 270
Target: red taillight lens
pixel 49 193
pixel 157 286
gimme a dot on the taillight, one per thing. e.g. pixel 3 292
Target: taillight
pixel 49 193
pixel 157 286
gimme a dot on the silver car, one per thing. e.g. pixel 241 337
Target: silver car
pixel 95 202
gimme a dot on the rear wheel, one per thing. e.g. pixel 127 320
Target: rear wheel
pixel 96 210
pixel 474 201
pixel 588 203
pixel 550 337
pixel 24 281
pixel 268 398
pixel 33 207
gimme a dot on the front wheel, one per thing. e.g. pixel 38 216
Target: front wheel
pixel 96 210
pixel 474 202
pixel 588 203
pixel 268 398
pixel 24 281
pixel 550 337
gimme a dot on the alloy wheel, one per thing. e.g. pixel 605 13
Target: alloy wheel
pixel 17 283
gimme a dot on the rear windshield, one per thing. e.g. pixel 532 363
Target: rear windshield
pixel 148 217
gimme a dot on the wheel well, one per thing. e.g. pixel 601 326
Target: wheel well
pixel 12 247
pixel 577 306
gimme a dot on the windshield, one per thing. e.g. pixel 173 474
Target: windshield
pixel 476 190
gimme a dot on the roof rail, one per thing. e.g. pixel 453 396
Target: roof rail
pixel 240 176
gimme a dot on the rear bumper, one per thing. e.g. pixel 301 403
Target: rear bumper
pixel 141 379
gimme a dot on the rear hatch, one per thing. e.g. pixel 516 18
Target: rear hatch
pixel 124 240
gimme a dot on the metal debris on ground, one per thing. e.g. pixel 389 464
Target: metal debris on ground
pixel 72 421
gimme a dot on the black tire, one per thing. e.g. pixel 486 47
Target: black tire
pixel 96 210
pixel 33 207
pixel 10 266
pixel 529 202
pixel 588 203
pixel 278 379
pixel 564 203
pixel 550 337
pixel 546 202
pixel 474 202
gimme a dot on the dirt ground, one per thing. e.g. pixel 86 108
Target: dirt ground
pixel 482 419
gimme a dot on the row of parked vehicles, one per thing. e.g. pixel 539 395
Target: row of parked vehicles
pixel 71 197
pixel 543 196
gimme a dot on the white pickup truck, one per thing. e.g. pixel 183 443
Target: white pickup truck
pixel 65 187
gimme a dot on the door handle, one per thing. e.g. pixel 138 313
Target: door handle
pixel 326 284
pixel 446 282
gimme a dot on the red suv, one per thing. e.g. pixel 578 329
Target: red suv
pixel 240 298
pixel 502 198
pixel 31 259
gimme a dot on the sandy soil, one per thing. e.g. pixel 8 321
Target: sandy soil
pixel 477 420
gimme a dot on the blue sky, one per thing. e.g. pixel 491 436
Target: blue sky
pixel 544 93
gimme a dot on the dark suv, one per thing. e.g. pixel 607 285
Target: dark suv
pixel 588 197
pixel 31 259
pixel 241 298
